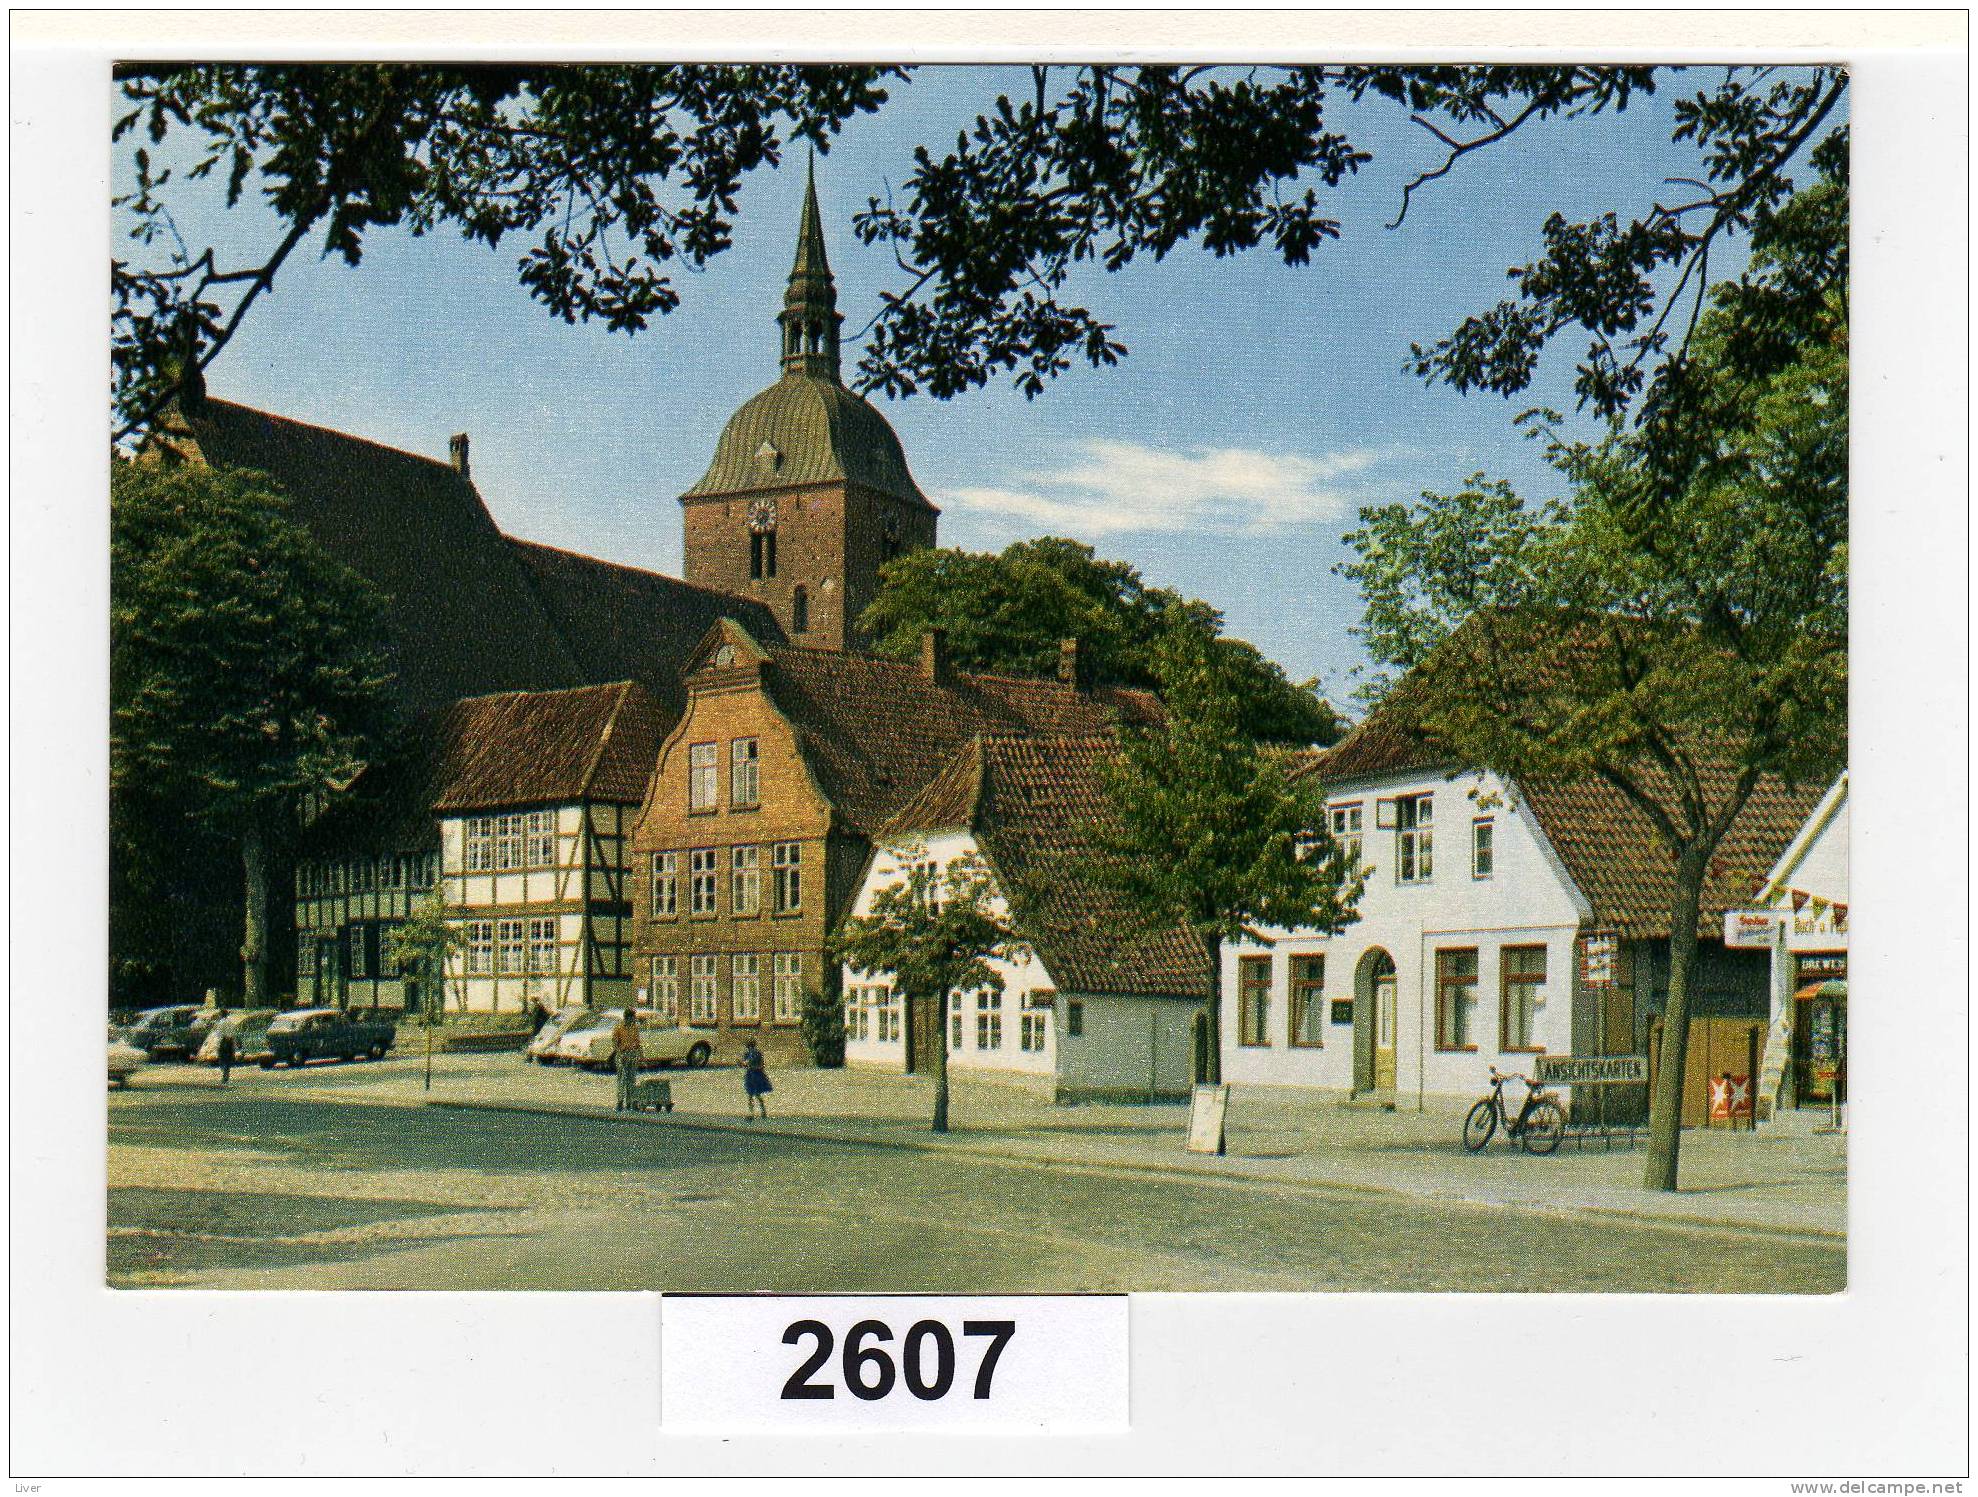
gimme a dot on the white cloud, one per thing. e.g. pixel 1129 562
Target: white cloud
pixel 1112 487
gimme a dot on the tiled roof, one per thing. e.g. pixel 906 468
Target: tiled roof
pixel 464 618
pixel 1032 803
pixel 518 748
pixel 623 623
pixel 1609 847
pixel 876 731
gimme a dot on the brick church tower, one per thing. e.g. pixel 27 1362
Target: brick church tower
pixel 809 491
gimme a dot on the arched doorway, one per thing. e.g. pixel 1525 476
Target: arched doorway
pixel 1373 1022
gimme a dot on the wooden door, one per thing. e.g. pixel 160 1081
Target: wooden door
pixel 1384 1024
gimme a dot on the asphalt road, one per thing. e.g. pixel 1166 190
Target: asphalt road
pixel 248 1189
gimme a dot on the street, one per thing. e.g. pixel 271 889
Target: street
pixel 267 1186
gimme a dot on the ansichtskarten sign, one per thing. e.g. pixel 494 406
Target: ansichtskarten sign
pixel 1592 1070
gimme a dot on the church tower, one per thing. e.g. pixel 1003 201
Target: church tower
pixel 809 492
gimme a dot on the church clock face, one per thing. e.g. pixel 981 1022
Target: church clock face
pixel 762 515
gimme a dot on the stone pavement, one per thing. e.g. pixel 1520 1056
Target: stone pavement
pixel 1786 1178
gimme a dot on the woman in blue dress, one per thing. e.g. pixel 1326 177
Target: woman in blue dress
pixel 755 1082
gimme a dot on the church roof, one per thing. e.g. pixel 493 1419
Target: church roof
pixel 806 429
pixel 1032 804
pixel 462 614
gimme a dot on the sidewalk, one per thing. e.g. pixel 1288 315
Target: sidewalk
pixel 1784 1179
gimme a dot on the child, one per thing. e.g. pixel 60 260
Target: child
pixel 755 1082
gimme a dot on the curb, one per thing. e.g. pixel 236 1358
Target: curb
pixel 1685 1221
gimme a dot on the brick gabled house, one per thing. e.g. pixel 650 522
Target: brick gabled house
pixel 767 797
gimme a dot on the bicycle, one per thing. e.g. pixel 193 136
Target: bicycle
pixel 1539 1125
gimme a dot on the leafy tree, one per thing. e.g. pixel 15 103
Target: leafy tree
pixel 619 172
pixel 423 944
pixel 821 1021
pixel 1010 612
pixel 936 936
pixel 1213 830
pixel 247 669
pixel 1683 662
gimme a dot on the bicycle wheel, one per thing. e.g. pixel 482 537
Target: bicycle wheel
pixel 1545 1125
pixel 1479 1125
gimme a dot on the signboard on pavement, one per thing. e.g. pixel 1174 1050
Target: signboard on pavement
pixel 1593 1070
pixel 1205 1119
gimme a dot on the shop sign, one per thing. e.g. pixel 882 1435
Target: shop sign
pixel 1593 1070
pixel 1600 954
pixel 1746 928
pixel 1730 1098
pixel 1821 966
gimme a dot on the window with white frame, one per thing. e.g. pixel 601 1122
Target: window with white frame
pixel 701 881
pixel 666 985
pixel 508 842
pixel 745 987
pixel 479 832
pixel 890 1026
pixel 1347 829
pixel 542 943
pixel 789 986
pixel 390 964
pixel 745 881
pixel 955 1023
pixel 359 966
pixel 1483 847
pixel 1414 839
pixel 1036 1030
pixel 787 860
pixel 305 957
pixel 665 885
pixel 1521 989
pixel 988 1020
pixel 391 875
pixel 744 773
pixel 511 939
pixel 540 839
pixel 703 789
pixel 703 989
pixel 926 875
pixel 480 947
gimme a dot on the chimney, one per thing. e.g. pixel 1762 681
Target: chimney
pixel 456 446
pixel 934 656
pixel 1074 665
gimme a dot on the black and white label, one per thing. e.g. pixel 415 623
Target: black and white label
pixel 1038 1364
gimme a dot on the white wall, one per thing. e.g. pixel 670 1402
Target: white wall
pixel 1528 900
pixel 1127 1046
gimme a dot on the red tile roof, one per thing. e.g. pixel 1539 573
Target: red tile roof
pixel 1032 803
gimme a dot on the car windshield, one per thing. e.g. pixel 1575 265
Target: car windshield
pixel 566 1020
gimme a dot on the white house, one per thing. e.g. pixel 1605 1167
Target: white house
pixel 519 806
pixel 1801 914
pixel 1100 1006
pixel 1498 923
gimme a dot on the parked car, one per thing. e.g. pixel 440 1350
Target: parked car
pixel 126 1060
pixel 249 1027
pixel 307 1034
pixel 172 1032
pixel 661 1042
pixel 542 1044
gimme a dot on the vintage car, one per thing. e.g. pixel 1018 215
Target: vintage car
pixel 542 1044
pixel 305 1034
pixel 661 1042
pixel 172 1032
pixel 249 1029
pixel 125 1060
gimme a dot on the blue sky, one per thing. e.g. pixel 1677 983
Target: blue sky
pixel 1259 408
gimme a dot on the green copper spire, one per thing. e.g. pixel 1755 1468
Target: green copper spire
pixel 810 316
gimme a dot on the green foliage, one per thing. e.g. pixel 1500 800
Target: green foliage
pixel 821 1021
pixel 247 666
pixel 1214 830
pixel 1010 611
pixel 423 943
pixel 934 935
pixel 618 173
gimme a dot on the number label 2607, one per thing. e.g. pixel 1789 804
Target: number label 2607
pixel 925 1367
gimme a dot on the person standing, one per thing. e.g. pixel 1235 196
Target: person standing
pixel 226 1055
pixel 625 1056
pixel 755 1082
